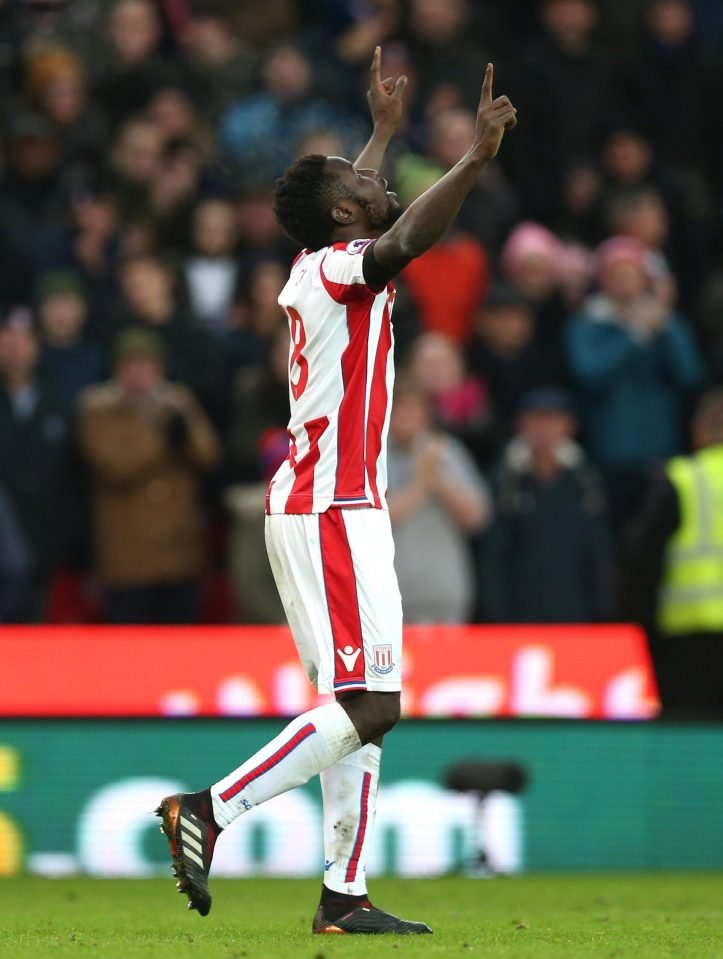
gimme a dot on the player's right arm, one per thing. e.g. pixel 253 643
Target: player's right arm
pixel 431 214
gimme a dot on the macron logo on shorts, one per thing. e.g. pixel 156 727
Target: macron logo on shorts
pixel 349 656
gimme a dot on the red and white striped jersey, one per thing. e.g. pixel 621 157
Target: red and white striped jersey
pixel 341 374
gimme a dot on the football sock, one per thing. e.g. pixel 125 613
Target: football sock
pixel 310 743
pixel 349 790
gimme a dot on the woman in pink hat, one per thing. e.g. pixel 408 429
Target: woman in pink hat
pixel 635 360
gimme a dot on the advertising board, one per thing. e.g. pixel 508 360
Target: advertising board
pixel 586 672
pixel 76 796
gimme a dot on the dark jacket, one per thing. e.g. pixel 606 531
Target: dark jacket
pixel 38 472
pixel 548 556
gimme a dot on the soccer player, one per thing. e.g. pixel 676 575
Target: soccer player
pixel 328 534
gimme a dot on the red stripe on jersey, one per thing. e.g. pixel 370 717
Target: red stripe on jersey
pixel 344 292
pixel 341 599
pixel 301 497
pixel 350 466
pixel 378 401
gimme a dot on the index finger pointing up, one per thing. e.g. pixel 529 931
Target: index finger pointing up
pixel 376 67
pixel 487 85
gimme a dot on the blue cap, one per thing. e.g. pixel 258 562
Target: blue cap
pixel 548 400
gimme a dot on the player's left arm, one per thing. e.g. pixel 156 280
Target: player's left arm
pixel 385 104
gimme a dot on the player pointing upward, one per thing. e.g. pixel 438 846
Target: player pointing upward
pixel 327 528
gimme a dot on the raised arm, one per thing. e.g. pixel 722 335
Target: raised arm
pixel 385 104
pixel 431 214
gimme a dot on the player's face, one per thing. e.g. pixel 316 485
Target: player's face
pixel 368 190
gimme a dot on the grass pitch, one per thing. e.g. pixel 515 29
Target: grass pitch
pixel 532 917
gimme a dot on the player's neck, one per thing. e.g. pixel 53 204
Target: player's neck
pixel 355 231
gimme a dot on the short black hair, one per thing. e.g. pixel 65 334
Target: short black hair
pixel 303 200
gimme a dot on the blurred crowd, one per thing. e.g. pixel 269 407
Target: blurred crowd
pixel 550 348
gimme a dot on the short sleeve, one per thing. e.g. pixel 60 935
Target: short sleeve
pixel 342 271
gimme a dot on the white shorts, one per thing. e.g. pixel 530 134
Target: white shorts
pixel 335 575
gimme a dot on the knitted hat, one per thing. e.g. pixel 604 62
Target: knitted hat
pixel 136 343
pixel 622 249
pixel 59 282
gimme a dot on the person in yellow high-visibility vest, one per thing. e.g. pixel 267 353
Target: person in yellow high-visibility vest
pixel 672 572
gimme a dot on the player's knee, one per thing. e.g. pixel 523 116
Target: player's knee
pixel 372 713
pixel 387 712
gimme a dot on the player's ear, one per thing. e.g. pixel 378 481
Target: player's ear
pixel 343 214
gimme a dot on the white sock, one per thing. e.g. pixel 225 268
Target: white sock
pixel 310 743
pixel 349 788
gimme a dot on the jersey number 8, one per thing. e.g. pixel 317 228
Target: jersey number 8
pixel 298 342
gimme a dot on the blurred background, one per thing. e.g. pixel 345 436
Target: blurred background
pixel 558 415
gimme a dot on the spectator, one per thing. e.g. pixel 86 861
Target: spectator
pixel 217 66
pixel 367 28
pixel 172 112
pixel 636 362
pixel 259 233
pixel 69 359
pixel 449 308
pixel 547 557
pixel 193 357
pixel 630 165
pixel 676 88
pixel 437 501
pixel 211 271
pixel 30 187
pixel 256 314
pixel 260 132
pixel 580 217
pixel 641 213
pixel 506 355
pixel 459 401
pixel 57 86
pixel 491 209
pixel 172 194
pixel 135 162
pixel 147 444
pixel 36 463
pixel 565 86
pixel 87 244
pixel 532 260
pixel 134 70
pixel 672 574
pixel 446 51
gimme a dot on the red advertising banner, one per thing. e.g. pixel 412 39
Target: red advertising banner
pixel 590 672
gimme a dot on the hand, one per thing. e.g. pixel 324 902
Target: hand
pixel 665 290
pixel 493 118
pixel 650 316
pixel 428 462
pixel 385 96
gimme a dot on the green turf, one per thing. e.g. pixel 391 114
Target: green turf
pixel 535 917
